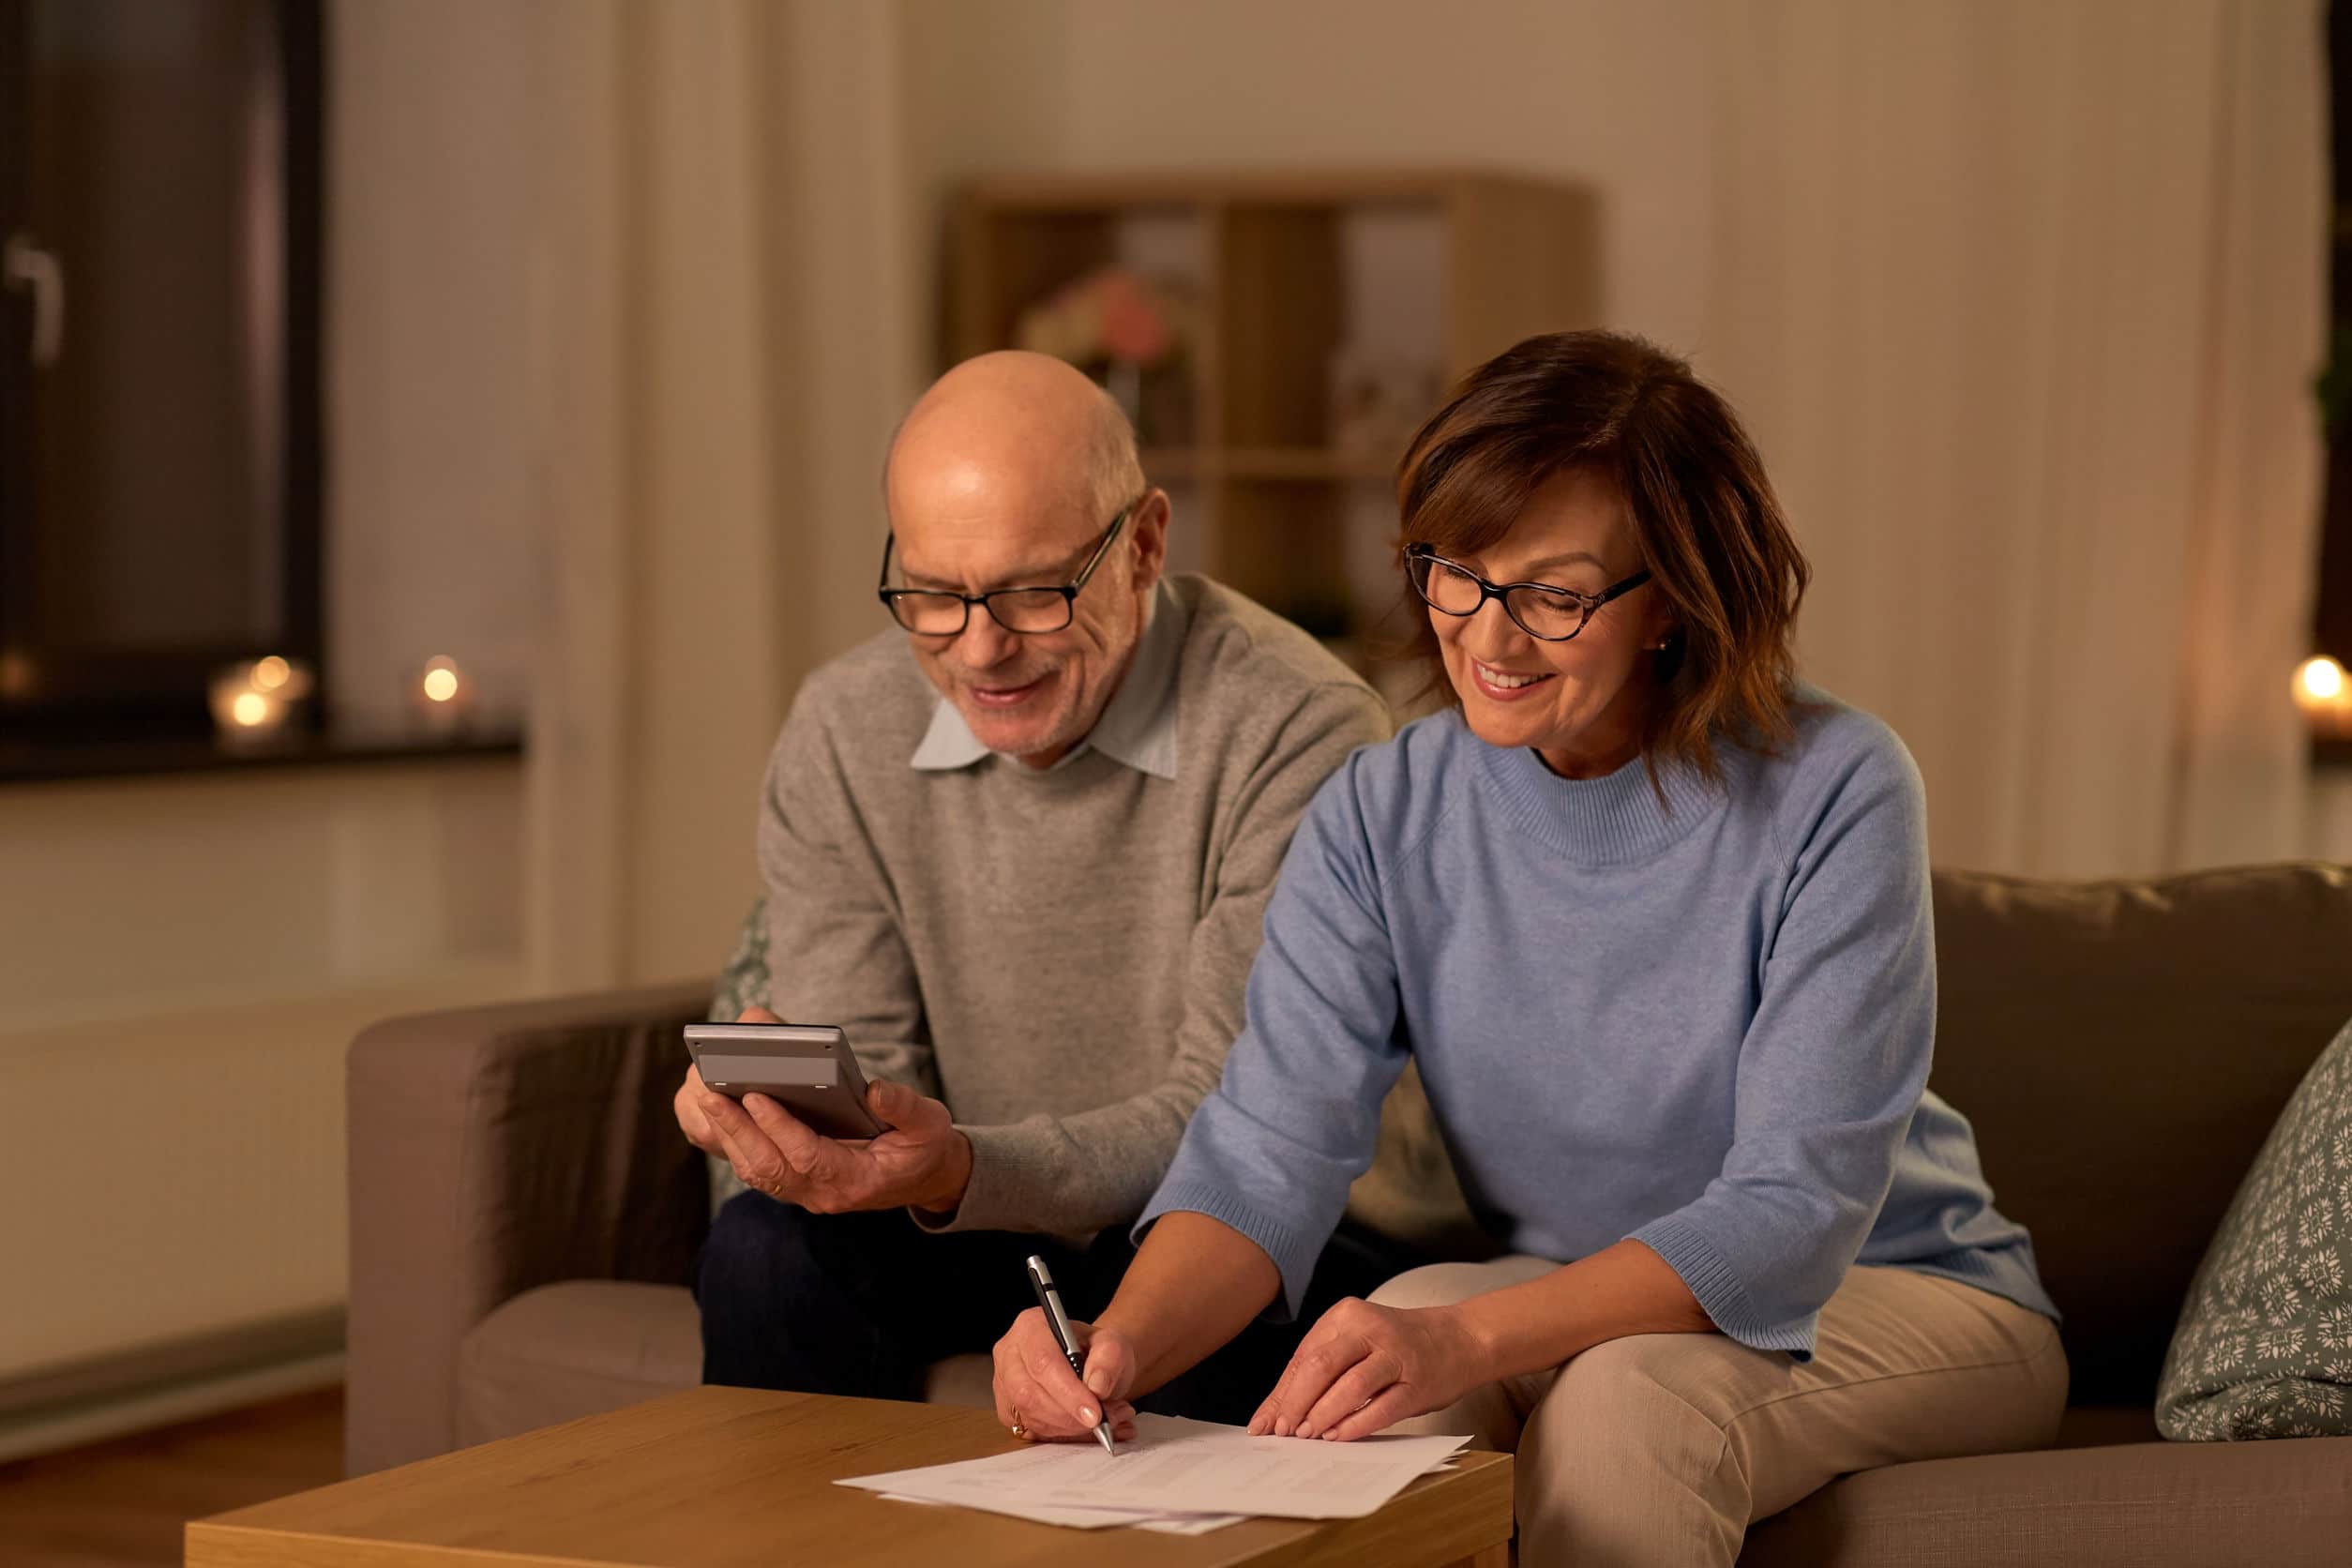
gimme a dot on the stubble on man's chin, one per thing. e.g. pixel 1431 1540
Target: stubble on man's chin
pixel 1034 741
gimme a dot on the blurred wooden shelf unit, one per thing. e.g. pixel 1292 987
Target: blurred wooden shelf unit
pixel 1325 315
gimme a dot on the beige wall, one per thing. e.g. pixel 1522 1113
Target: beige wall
pixel 132 899
pixel 1609 95
pixel 182 1174
pixel 187 960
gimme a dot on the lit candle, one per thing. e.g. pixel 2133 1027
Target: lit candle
pixel 2325 696
pixel 442 696
pixel 242 713
pixel 252 701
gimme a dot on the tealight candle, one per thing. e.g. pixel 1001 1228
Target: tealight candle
pixel 2324 694
pixel 443 697
pixel 251 703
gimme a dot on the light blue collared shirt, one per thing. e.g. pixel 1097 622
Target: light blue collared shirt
pixel 1137 726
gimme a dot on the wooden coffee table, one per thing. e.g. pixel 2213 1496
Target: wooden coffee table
pixel 729 1475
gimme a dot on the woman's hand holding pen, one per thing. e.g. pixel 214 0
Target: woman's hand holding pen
pixel 1037 1396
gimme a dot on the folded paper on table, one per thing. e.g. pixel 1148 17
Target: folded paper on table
pixel 1181 1468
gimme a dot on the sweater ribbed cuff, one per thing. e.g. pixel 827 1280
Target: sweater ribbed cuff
pixel 998 1195
pixel 1721 1291
pixel 1291 1248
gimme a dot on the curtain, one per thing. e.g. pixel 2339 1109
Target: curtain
pixel 2024 303
pixel 646 479
pixel 684 381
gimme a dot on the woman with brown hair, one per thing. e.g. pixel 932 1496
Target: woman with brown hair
pixel 1653 919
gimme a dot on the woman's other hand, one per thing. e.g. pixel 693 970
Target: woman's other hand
pixel 1362 1367
pixel 1038 1396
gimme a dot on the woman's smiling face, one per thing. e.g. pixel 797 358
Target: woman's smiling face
pixel 1579 703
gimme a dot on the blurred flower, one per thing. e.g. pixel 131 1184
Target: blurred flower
pixel 1110 313
pixel 1134 325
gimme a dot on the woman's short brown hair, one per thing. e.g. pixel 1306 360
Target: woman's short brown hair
pixel 1711 531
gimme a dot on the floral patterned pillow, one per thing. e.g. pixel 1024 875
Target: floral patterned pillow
pixel 743 982
pixel 2264 1346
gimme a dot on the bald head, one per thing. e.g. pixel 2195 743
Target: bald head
pixel 1010 473
pixel 1022 434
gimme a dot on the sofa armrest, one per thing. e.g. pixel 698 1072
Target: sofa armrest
pixel 493 1149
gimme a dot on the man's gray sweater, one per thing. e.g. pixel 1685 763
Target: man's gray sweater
pixel 1059 954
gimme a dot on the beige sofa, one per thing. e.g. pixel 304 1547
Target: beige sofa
pixel 524 1213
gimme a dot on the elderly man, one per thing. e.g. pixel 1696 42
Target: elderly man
pixel 1018 850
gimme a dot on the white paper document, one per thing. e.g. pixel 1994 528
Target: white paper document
pixel 1087 1518
pixel 1185 1475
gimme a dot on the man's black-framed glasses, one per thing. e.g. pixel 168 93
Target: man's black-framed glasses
pixel 941 613
pixel 1544 613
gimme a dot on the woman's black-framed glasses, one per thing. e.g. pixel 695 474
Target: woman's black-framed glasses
pixel 1547 613
pixel 941 613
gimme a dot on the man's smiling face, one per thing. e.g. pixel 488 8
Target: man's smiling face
pixel 1006 476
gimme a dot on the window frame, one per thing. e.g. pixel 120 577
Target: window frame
pixel 78 693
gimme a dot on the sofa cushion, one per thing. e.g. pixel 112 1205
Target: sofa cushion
pixel 2147 1505
pixel 2265 1344
pixel 2106 1426
pixel 2121 1048
pixel 575 1349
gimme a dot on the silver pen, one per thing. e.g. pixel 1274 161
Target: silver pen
pixel 1041 1279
